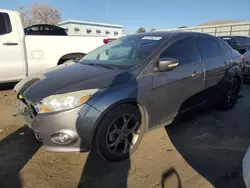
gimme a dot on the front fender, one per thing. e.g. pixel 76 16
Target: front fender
pixel 111 96
pixel 127 93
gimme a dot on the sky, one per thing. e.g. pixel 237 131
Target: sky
pixel 132 14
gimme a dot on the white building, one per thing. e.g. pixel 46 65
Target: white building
pixel 232 29
pixel 84 28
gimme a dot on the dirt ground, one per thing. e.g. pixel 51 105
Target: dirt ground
pixel 203 151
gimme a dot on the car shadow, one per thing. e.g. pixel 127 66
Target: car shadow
pixel 213 143
pixel 15 152
pixel 98 172
pixel 101 173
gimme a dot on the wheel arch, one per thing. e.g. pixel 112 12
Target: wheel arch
pixel 76 56
pixel 132 102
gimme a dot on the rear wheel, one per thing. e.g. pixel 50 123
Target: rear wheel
pixel 230 97
pixel 119 133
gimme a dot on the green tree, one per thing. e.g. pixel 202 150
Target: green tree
pixel 141 30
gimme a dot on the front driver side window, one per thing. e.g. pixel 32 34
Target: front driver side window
pixel 184 50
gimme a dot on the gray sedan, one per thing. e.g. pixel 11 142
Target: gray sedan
pixel 116 93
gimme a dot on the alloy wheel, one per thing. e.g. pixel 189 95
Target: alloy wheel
pixel 122 134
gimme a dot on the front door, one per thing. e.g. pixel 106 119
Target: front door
pixel 11 52
pixel 177 90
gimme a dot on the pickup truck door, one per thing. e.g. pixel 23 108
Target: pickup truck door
pixel 12 65
pixel 178 90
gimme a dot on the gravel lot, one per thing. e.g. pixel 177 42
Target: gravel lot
pixel 202 151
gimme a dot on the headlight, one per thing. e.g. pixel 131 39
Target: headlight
pixel 65 101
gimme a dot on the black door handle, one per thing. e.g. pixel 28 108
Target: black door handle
pixel 10 44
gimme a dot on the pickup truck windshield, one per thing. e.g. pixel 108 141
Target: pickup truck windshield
pixel 123 53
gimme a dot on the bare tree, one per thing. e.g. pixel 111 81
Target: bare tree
pixel 152 30
pixel 22 14
pixel 40 14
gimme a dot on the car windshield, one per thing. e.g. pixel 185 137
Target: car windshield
pixel 123 53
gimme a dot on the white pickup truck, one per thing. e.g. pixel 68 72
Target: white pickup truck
pixel 22 55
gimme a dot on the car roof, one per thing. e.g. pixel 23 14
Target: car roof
pixel 41 25
pixel 168 34
pixel 48 25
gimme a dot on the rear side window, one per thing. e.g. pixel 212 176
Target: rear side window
pixel 32 28
pixel 5 25
pixel 184 50
pixel 210 48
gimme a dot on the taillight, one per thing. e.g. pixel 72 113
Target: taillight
pixel 241 57
pixel 105 41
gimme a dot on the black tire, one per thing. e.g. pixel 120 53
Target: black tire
pixel 65 61
pixel 69 61
pixel 231 94
pixel 111 121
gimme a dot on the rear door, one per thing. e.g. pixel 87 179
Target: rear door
pixel 11 51
pixel 215 63
pixel 176 90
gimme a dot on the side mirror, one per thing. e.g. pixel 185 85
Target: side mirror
pixel 167 64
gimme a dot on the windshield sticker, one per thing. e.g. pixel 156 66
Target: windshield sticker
pixel 151 38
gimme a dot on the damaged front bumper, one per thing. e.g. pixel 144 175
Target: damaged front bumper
pixel 26 110
pixel 65 131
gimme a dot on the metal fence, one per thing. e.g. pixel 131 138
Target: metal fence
pixel 232 29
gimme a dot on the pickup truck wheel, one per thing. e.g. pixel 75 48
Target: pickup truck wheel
pixel 65 61
pixel 230 97
pixel 119 133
